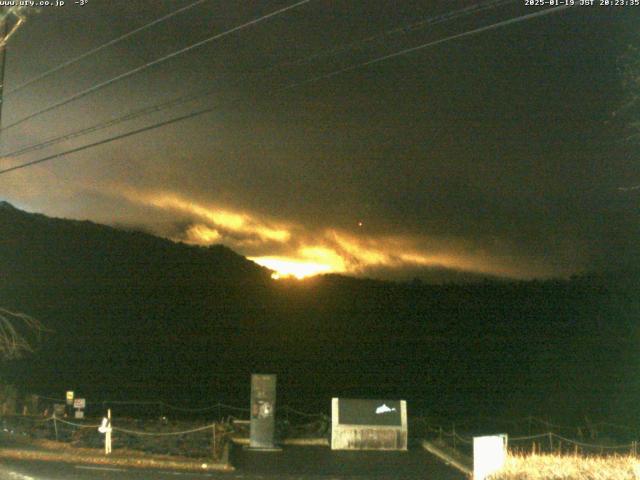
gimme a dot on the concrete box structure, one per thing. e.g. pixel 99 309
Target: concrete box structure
pixel 263 411
pixel 358 424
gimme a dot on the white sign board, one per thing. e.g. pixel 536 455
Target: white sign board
pixel 79 414
pixel 489 455
pixel 79 403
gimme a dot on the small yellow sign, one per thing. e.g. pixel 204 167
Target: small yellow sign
pixel 69 397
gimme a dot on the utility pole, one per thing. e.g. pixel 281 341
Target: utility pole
pixel 3 62
pixel 10 20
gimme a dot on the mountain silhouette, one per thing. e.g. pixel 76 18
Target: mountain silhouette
pixel 35 247
pixel 133 316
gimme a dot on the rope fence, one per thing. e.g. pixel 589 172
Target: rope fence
pixel 164 434
pixel 219 407
pixel 151 403
pixel 228 420
pixel 528 437
pixel 528 421
pixel 525 421
pixel 453 437
pixel 207 437
pixel 527 426
pixel 429 425
pixel 73 424
pixel 156 437
pixel 589 445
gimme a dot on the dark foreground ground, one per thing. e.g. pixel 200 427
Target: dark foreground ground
pixel 321 462
pixel 308 463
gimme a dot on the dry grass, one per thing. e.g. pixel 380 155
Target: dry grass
pixel 569 467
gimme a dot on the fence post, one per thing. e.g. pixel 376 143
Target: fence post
pixel 215 450
pixel 453 427
pixel 107 436
pixel 55 425
pixel 550 442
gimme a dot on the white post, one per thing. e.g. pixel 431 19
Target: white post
pixel 107 438
pixel 215 454
pixel 489 455
pixel 105 428
pixel 55 425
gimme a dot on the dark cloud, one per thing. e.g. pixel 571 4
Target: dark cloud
pixel 495 153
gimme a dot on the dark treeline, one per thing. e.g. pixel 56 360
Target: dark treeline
pixel 137 317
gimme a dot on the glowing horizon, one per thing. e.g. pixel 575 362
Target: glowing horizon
pixel 290 267
pixel 295 251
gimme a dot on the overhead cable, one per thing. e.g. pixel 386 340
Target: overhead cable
pixel 95 50
pixel 109 123
pixel 162 59
pixel 109 140
pixel 190 97
pixel 290 86
pixel 430 44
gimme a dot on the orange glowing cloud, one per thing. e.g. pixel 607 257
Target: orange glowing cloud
pixel 295 251
pixel 219 218
pixel 202 234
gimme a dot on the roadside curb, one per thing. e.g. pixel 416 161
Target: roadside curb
pixel 450 457
pixel 92 458
pixel 301 442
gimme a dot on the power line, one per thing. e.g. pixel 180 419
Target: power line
pixel 429 44
pixel 323 54
pixel 445 17
pixel 102 47
pixel 109 123
pixel 162 59
pixel 287 87
pixel 6 34
pixel 16 12
pixel 110 139
pixel 405 29
pixel 3 65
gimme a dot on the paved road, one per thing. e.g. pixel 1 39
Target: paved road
pixel 293 463
pixel 321 462
pixel 38 470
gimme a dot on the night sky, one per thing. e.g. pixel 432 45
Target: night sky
pixel 500 153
